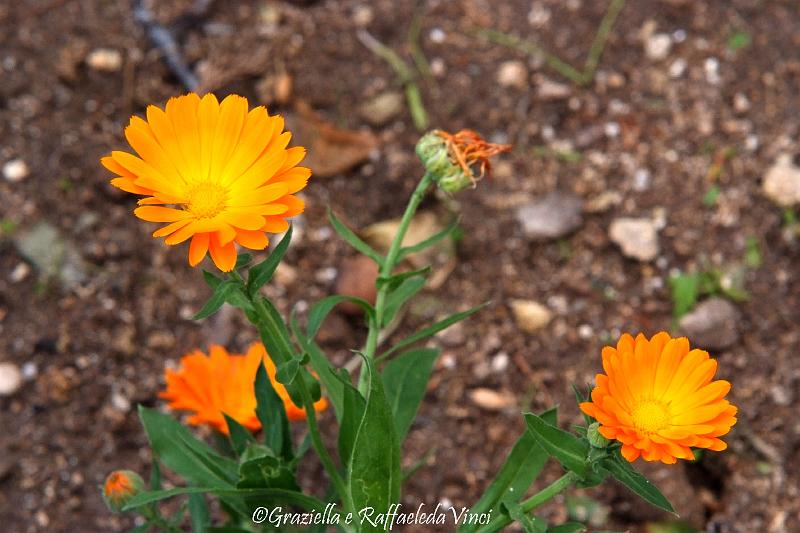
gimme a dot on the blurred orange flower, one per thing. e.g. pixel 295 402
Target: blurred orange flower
pixel 120 486
pixel 225 171
pixel 209 386
pixel 658 400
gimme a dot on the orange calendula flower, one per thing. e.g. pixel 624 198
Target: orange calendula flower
pixel 451 158
pixel 658 400
pixel 214 172
pixel 120 487
pixel 209 386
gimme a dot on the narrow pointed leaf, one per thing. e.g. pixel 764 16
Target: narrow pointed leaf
pixel 374 475
pixel 405 380
pixel 352 413
pixel 353 240
pixel 221 294
pixel 198 513
pixel 405 291
pixel 622 470
pixel 565 447
pixel 261 273
pixel 430 241
pixel 432 330
pixel 322 367
pixel 272 415
pixel 319 311
pixel 238 435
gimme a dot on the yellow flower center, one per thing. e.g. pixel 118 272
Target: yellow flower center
pixel 206 200
pixel 650 416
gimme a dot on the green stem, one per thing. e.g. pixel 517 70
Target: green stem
pixel 273 330
pixel 386 269
pixel 544 495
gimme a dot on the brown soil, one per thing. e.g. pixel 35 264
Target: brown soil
pixel 106 343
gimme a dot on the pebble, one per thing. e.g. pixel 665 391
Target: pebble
pixel 782 182
pixel 500 362
pixel 530 315
pixel 104 60
pixel 382 108
pixel 677 68
pixel 20 272
pixel 363 15
pixel 120 402
pixel 512 74
pixel 636 237
pixel 10 379
pixel 453 336
pixel 658 46
pixel 711 67
pixel 55 257
pixel 357 277
pixel 712 324
pixel 491 400
pixel 547 89
pixel 554 216
pixel 15 170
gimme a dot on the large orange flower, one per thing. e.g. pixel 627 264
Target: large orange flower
pixel 221 383
pixel 225 171
pixel 658 400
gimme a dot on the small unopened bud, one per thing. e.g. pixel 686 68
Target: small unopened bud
pixel 120 487
pixel 595 438
pixel 450 158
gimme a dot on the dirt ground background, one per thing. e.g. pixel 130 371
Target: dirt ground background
pixel 692 105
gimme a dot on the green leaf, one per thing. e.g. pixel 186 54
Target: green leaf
pixel 391 282
pixel 319 311
pixel 353 240
pixel 685 291
pixel 272 415
pixel 155 475
pixel 238 435
pixel 432 330
pixel 530 524
pixel 395 300
pixel 430 241
pixel 259 468
pixel 405 380
pixel 322 367
pixel 274 496
pixel 212 280
pixel 221 294
pixel 569 527
pixel 622 470
pixel 521 468
pixel 242 260
pixel 565 447
pixel 374 473
pixel 353 405
pixel 198 513
pixel 175 446
pixel 287 371
pixel 262 272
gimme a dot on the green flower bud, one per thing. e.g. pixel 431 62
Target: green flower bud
pixel 120 487
pixel 595 438
pixel 433 150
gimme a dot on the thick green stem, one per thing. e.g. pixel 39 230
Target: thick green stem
pixel 544 495
pixel 387 268
pixel 268 328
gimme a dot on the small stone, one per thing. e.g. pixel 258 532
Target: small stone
pixel 711 68
pixel 658 46
pixel 530 315
pixel 120 402
pixel 52 255
pixel 285 274
pixel 15 170
pixel 554 216
pixel 512 74
pixel 677 68
pixel 453 336
pixel 104 60
pixel 383 108
pixel 491 400
pixel 10 379
pixel 781 395
pixel 20 272
pixel 363 15
pixel 603 202
pixel 547 89
pixel 712 324
pixel 636 237
pixel 500 363
pixel 357 277
pixel 782 182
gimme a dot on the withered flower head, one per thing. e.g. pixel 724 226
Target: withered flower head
pixel 457 161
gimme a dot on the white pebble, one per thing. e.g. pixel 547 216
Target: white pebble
pixel 657 46
pixel 20 272
pixel 437 35
pixel 677 68
pixel 10 379
pixel 15 170
pixel 104 60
